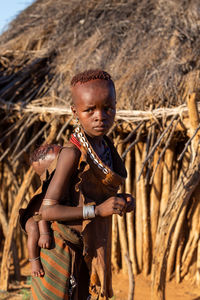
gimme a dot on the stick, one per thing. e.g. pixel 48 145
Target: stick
pixel 145 223
pixel 4 223
pixel 195 232
pixel 175 240
pixel 156 144
pixel 25 128
pixel 198 264
pixel 167 177
pixel 63 128
pixel 115 240
pixel 31 142
pixel 12 225
pixel 179 197
pixel 139 234
pixel 190 216
pixel 155 196
pixel 130 217
pixel 122 229
pixel 16 139
pixel 131 278
pixel 188 143
pixel 127 115
pixel 167 143
pixel 12 128
pixel 178 258
pixel 133 143
pixel 131 134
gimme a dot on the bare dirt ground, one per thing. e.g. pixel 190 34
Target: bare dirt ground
pixel 186 290
pixel 183 291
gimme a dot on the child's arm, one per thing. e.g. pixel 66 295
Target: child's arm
pixel 66 167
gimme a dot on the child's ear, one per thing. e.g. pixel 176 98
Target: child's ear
pixel 73 109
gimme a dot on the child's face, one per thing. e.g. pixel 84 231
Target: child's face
pixel 95 106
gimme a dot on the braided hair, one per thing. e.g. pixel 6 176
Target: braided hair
pixel 89 75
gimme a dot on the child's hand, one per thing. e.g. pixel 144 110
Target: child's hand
pixel 130 201
pixel 45 240
pixel 113 205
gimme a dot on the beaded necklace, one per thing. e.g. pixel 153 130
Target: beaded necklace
pixel 80 135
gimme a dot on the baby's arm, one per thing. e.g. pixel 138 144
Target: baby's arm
pixel 45 234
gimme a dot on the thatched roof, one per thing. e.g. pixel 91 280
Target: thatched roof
pixel 149 47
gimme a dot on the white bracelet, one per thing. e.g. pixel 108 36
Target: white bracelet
pixel 88 212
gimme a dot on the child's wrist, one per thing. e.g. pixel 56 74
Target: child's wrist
pixel 96 211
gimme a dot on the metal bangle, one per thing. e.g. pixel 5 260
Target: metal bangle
pixel 88 212
pixel 47 201
pixel 33 259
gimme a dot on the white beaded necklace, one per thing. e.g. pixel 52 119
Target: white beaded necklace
pixel 83 140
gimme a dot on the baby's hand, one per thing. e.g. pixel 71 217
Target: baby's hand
pixel 130 201
pixel 45 240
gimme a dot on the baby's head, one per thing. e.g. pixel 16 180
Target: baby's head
pixel 94 101
pixel 43 156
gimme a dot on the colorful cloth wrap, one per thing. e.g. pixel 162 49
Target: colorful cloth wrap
pixel 59 262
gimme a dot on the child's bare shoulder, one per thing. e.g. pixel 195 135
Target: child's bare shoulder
pixel 69 153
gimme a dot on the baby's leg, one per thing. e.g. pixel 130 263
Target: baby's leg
pixel 45 234
pixel 33 249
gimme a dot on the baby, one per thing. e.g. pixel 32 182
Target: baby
pixel 39 233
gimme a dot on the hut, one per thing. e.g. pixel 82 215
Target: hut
pixel 151 48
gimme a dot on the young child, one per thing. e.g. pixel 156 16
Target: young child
pixel 82 197
pixel 39 234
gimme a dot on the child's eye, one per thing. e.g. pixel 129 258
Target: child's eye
pixel 108 108
pixel 89 109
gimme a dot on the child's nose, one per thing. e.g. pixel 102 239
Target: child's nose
pixel 100 115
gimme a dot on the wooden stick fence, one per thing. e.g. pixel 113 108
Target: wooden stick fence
pixel 165 188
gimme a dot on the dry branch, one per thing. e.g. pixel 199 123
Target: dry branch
pixel 179 198
pixel 134 142
pixel 131 278
pixel 156 145
pixel 12 225
pixel 127 115
pixel 4 223
pixel 63 128
pixel 167 144
pixel 174 244
pixel 122 230
pixel 130 217
pixel 194 236
pixel 131 134
pixel 167 178
pixel 188 143
pixel 115 238
pixel 31 142
pixel 198 265
pixel 145 222
pixel 178 258
pixel 155 197
pixel 138 215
